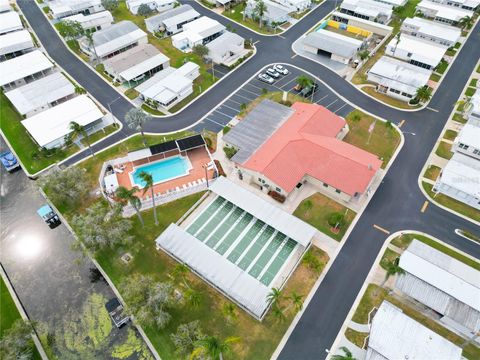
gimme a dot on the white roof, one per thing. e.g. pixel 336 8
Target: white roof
pixel 215 268
pixel 225 41
pixel 111 182
pixel 367 7
pixel 362 21
pixel 334 43
pixel 187 68
pixel 139 154
pixel 23 66
pixel 433 28
pixel 203 26
pixel 182 17
pixel 470 135
pixel 475 100
pixel 394 336
pixel 462 172
pixel 394 3
pixel 116 37
pixel 101 17
pixel 4 5
pixel 422 51
pixel 10 21
pixel 15 41
pixel 60 7
pixel 288 224
pixel 400 75
pixel 54 123
pixel 445 273
pixel 445 11
pixel 40 93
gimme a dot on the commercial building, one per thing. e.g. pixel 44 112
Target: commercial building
pixel 171 21
pixel 446 285
pixel 169 86
pixel 459 180
pixel 240 244
pixel 41 94
pixel 136 63
pixel 442 13
pixel 64 8
pixel 279 149
pixel 10 21
pixel 394 336
pixel 16 42
pixel 417 52
pixel 398 79
pixel 226 49
pixel 275 14
pixel 198 32
pixel 24 69
pixel 368 10
pixel 50 127
pixel 373 27
pixel 96 21
pixel 431 31
pixel 337 47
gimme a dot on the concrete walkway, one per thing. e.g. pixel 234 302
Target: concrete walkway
pixel 365 328
pixel 357 353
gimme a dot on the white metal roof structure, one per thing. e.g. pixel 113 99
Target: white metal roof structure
pixel 61 8
pixel 54 123
pixel 288 224
pixel 198 29
pixel 101 18
pixel 394 336
pixel 275 11
pixel 421 51
pixel 469 135
pixel 443 11
pixel 394 3
pixel 441 282
pixel 367 7
pixel 475 100
pixel 367 23
pixel 116 37
pixel 171 18
pixel 23 66
pixel 40 93
pixel 4 5
pixel 432 29
pixel 15 41
pixel 399 75
pixel 10 21
pixel 334 43
pixel 135 61
pixel 225 42
pixel 216 269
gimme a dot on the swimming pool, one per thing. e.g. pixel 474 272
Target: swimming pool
pixel 162 170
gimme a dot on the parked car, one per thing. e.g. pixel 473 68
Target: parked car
pixel 49 216
pixel 266 78
pixel 115 310
pixel 281 69
pixel 273 73
pixel 308 90
pixel 9 161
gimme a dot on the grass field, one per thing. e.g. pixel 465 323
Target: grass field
pixel 450 134
pixel 387 99
pixel 444 150
pixel 321 208
pixel 432 172
pixel 356 337
pixel 236 14
pixel 389 256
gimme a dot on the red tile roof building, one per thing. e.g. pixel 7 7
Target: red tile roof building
pixel 309 144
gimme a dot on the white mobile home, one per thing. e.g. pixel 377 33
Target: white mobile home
pixel 471 5
pixel 442 13
pixel 198 32
pixel 336 46
pixel 368 10
pixel 276 13
pixel 10 21
pixel 15 42
pixel 296 5
pixel 5 6
pixel 96 21
pixel 468 140
pixel 373 27
pixel 172 21
pixel 431 31
pixel 63 8
pixel 50 127
pixel 226 49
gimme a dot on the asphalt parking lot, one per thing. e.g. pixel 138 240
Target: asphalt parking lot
pixel 223 113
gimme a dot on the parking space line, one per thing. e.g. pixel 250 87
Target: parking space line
pixel 221 113
pixel 316 102
pixel 287 82
pixel 381 229
pixel 251 92
pixel 340 108
pixel 213 121
pixel 229 107
pixel 236 102
pixel 255 86
pixel 294 56
pixel 333 102
pixel 237 94
pixel 281 37
pixel 432 109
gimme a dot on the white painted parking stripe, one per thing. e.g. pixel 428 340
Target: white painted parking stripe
pixel 287 83
pixel 221 113
pixel 236 102
pixel 237 94
pixel 229 107
pixel 340 108
pixel 255 86
pixel 333 102
pixel 213 121
pixel 321 99
pixel 251 92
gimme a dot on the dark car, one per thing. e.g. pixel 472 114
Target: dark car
pixel 308 90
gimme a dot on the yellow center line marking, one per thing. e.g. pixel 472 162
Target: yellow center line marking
pixel 293 56
pixel 401 123
pixel 381 229
pixel 424 207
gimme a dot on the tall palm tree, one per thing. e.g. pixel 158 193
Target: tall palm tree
pixel 181 270
pixel 393 268
pixel 423 94
pixel 260 10
pixel 296 300
pixel 213 347
pixel 347 355
pixel 230 311
pixel 194 298
pixel 278 313
pixel 274 296
pixel 148 180
pixel 91 43
pixel 397 37
pixel 466 22
pixel 308 205
pixel 304 81
pixel 130 197
pixel 78 130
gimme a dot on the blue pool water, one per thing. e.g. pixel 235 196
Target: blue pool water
pixel 162 170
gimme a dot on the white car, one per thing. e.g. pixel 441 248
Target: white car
pixel 266 78
pixel 281 69
pixel 272 73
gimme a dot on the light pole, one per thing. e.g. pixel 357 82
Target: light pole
pixel 110 109
pixel 205 166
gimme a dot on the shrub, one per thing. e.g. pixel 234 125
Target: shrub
pixel 336 220
pixel 226 129
pixel 46 9
pixel 221 172
pixel 229 151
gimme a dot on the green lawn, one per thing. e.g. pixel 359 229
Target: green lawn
pixel 473 83
pixel 388 99
pixel 388 257
pixel 432 172
pixel 131 94
pixel 9 314
pixel 356 337
pixel 452 203
pixel 459 118
pixel 451 52
pixel 470 91
pixel 435 77
pixel 236 14
pixel 444 150
pixel 450 134
pixel 383 140
pixel 442 67
pixel 322 207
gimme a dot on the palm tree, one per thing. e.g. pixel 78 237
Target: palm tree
pixel 78 130
pixel 213 347
pixel 91 43
pixel 148 180
pixel 423 94
pixel 130 197
pixel 181 270
pixel 398 42
pixel 347 355
pixel 274 296
pixel 307 205
pixel 393 268
pixel 278 314
pixel 304 81
pixel 296 301
pixel 466 22
pixel 260 10
pixel 194 298
pixel 136 119
pixel 230 311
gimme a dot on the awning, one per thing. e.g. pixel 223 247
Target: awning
pixel 139 154
pixel 111 183
pixel 190 142
pixel 163 147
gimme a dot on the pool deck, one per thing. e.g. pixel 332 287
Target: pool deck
pixel 198 157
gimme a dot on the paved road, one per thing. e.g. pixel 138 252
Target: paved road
pixel 395 206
